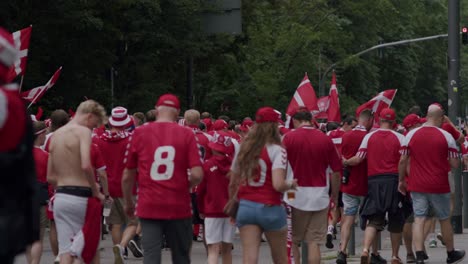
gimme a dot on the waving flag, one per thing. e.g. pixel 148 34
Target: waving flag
pixel 35 94
pixel 21 39
pixel 379 102
pixel 334 103
pixel 323 104
pixel 304 96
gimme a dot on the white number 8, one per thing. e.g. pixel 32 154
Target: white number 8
pixel 168 162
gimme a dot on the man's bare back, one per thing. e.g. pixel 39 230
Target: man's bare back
pixel 70 155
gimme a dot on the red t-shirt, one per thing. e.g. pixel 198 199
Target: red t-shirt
pixel 163 152
pixel 429 149
pixel 337 138
pixel 113 146
pixel 259 187
pixel 382 150
pixel 202 139
pixel 310 153
pixel 40 160
pixel 357 183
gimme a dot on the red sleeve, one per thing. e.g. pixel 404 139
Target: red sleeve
pixel 452 131
pixel 334 159
pixel 193 152
pixel 131 158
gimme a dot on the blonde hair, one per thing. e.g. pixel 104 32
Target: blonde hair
pixel 251 148
pixel 93 107
pixel 192 117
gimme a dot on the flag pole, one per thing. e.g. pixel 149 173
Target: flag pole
pixel 21 83
pixel 34 99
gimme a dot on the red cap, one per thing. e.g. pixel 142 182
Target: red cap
pixel 246 125
pixel 221 142
pixel 220 124
pixel 411 120
pixel 169 100
pixel 387 114
pixel 266 114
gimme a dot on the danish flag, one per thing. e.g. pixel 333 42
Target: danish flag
pixel 379 102
pixel 334 103
pixel 304 96
pixel 21 39
pixel 35 94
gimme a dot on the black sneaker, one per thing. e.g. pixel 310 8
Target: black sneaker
pixel 420 257
pixel 455 256
pixel 135 249
pixel 377 259
pixel 329 243
pixel 125 254
pixel 341 258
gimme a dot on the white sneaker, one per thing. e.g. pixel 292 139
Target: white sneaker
pixel 118 254
pixel 57 260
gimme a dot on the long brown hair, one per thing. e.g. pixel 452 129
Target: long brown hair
pixel 251 148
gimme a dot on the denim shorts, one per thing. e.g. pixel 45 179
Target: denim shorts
pixel 351 204
pixel 440 202
pixel 267 217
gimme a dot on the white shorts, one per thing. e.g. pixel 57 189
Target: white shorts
pixel 219 230
pixel 69 215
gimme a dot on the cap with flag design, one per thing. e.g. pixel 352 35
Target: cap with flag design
pixel 168 100
pixel 120 117
pixel 387 114
pixel 8 53
pixel 221 142
pixel 220 124
pixel 266 114
pixel 411 120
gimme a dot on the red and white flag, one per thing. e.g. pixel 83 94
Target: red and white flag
pixel 323 104
pixel 381 101
pixel 35 94
pixel 304 96
pixel 334 103
pixel 21 39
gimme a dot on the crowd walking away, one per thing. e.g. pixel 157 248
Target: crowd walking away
pixel 167 179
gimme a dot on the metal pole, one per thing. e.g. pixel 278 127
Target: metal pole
pixel 465 200
pixel 112 86
pixel 454 98
pixel 190 82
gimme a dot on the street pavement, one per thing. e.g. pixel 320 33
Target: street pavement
pixel 436 255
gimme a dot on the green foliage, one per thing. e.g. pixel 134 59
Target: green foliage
pixel 148 43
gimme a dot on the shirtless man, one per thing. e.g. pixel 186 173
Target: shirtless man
pixel 70 170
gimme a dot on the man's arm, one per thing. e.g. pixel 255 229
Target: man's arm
pixel 103 180
pixel 402 169
pixel 85 153
pixel 335 185
pixel 196 176
pixel 51 176
pixel 353 161
pixel 454 162
pixel 128 181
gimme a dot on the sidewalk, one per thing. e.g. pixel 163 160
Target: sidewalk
pixel 436 255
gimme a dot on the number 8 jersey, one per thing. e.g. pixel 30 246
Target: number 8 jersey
pixel 259 188
pixel 163 152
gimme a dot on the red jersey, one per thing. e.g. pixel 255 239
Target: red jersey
pixel 429 149
pixel 337 138
pixel 40 160
pixel 212 193
pixel 97 160
pixel 310 153
pixel 202 139
pixel 382 150
pixel 113 146
pixel 163 152
pixel 259 187
pixel 357 183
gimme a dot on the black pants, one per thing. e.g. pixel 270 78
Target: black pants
pixel 178 235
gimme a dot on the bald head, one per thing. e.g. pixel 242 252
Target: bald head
pixel 435 115
pixel 192 117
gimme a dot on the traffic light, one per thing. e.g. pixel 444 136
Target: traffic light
pixel 465 35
